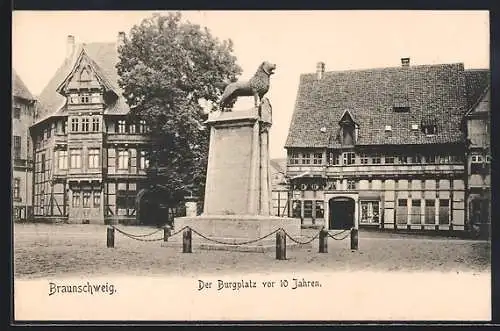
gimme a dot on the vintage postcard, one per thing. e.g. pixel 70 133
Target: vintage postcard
pixel 251 166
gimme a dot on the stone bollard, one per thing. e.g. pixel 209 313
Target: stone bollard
pixel 191 205
pixel 323 241
pixel 166 233
pixel 354 239
pixel 110 237
pixel 280 245
pixel 186 241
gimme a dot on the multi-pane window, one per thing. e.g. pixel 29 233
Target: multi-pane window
pixel 306 158
pixel 429 129
pixel 307 208
pixel 93 158
pixel 142 126
pixel 75 201
pixel 348 158
pixel 297 209
pixel 42 162
pixel 65 126
pixel 17 147
pixel 74 124
pixel 17 188
pixel 376 159
pixel 97 199
pixel 122 127
pixel 444 159
pixel 62 159
pixel 143 162
pixel 320 211
pixel 402 211
pixel 351 184
pixel 75 158
pixel 444 211
pixel 123 159
pixel 85 124
pixel 17 112
pixel 86 199
pixel 84 98
pixel 389 160
pixel 431 158
pixel 363 159
pixel 334 159
pixel 95 124
pixel 318 158
pixel 131 128
pixel 402 159
pixel 370 212
pixel 430 211
pixel 294 158
pixel 415 212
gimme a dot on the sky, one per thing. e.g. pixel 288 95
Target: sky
pixel 294 40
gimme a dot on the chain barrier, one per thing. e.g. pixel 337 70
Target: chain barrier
pixel 336 234
pixel 131 236
pixel 140 237
pixel 302 242
pixel 232 243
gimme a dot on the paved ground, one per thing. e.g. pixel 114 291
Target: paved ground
pixel 42 251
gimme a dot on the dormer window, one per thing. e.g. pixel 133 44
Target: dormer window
pixel 349 130
pixel 429 129
pixel 401 109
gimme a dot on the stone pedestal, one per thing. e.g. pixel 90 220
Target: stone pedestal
pixel 237 204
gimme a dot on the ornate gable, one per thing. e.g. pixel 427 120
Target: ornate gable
pixel 85 76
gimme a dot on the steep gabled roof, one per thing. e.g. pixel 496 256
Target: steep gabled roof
pixel 434 93
pixel 19 89
pixel 104 57
pixel 476 82
pixel 482 104
pixel 278 165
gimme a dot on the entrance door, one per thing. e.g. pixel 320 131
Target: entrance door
pixel 341 213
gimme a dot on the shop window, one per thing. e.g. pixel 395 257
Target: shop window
pixel 86 199
pixel 369 212
pixel 296 209
pixel 76 199
pixel 402 211
pixel 416 212
pixel 307 208
pixel 320 211
pixel 430 212
pixel 444 211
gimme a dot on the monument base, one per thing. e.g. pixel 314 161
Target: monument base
pixel 224 232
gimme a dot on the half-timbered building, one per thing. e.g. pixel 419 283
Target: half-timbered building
pixel 23 107
pixel 90 159
pixel 381 147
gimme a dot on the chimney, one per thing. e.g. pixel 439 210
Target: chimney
pixel 405 62
pixel 320 70
pixel 70 46
pixel 121 39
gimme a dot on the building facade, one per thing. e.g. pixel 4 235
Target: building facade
pixel 478 165
pixel 23 107
pixel 279 185
pixel 89 157
pixel 381 148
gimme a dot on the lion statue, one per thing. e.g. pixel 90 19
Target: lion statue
pixel 257 87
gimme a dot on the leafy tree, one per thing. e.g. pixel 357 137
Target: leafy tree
pixel 168 70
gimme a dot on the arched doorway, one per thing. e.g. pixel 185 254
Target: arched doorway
pixel 341 213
